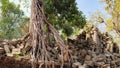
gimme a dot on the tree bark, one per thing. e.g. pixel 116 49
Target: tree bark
pixel 38 36
pixel 37 31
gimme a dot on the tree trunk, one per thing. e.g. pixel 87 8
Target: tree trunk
pixel 38 35
pixel 37 31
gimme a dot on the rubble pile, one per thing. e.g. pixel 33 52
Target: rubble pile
pixel 9 62
pixel 91 50
pixel 15 46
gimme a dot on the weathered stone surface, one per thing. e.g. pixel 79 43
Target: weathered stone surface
pixel 6 48
pixel 94 54
pixel 90 63
pixel 105 66
pixel 16 51
pixel 85 51
pixel 88 58
pixel 1 50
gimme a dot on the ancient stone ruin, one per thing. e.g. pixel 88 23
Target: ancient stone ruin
pixel 84 52
pixel 90 49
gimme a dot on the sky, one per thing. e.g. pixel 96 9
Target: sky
pixel 22 6
pixel 86 6
pixel 90 6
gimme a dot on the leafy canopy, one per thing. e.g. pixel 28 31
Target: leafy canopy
pixel 64 15
pixel 113 8
pixel 10 18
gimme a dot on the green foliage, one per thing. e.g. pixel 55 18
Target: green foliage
pixel 64 15
pixel 11 15
pixel 96 18
pixel 109 24
pixel 113 23
pixel 24 25
pixel 113 8
pixel 16 56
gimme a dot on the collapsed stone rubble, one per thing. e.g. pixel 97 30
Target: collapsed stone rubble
pixel 89 50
